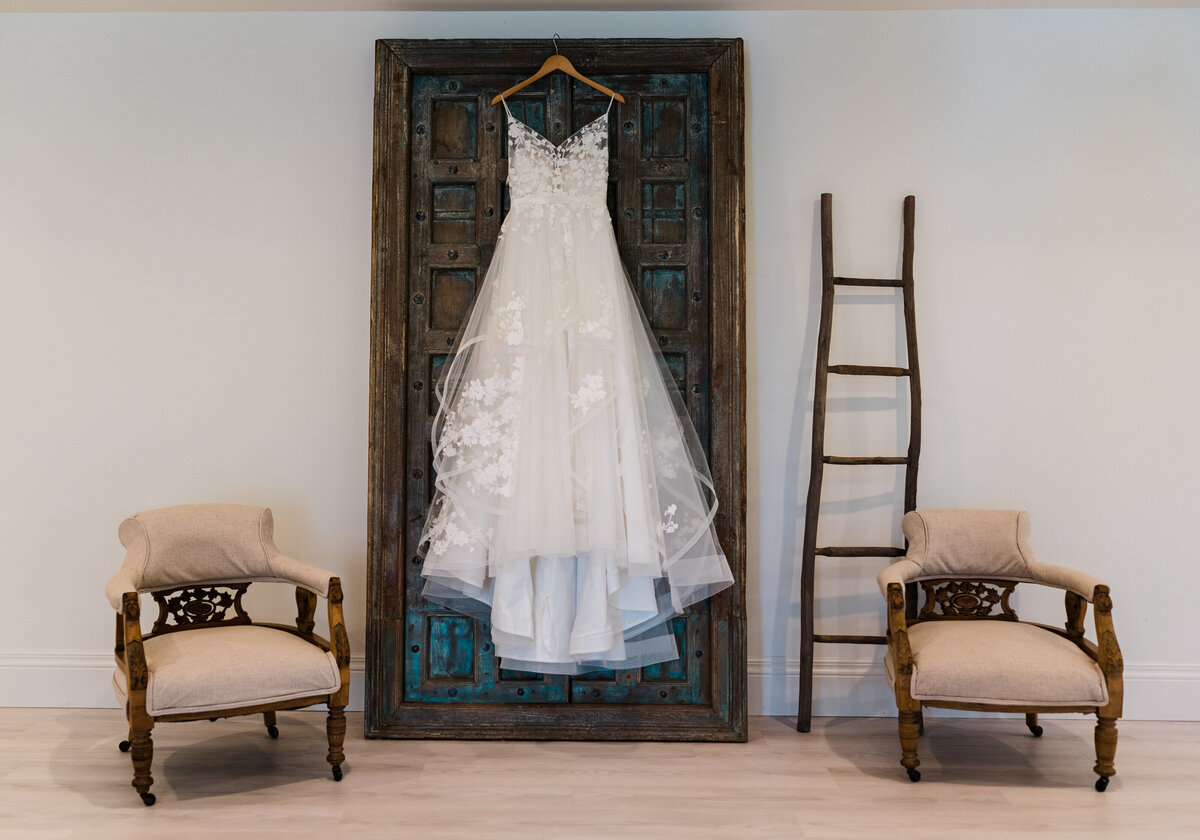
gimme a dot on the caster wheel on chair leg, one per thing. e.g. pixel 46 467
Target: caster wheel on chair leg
pixel 148 799
pixel 337 773
pixel 123 746
pixel 273 731
pixel 1101 784
pixel 914 775
pixel 1037 731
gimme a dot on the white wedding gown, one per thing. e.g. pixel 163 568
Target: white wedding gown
pixel 573 506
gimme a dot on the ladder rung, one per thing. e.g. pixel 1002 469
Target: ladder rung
pixel 852 640
pixel 865 461
pixel 859 281
pixel 860 551
pixel 867 370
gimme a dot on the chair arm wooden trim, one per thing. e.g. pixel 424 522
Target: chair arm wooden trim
pixel 119 644
pixel 135 656
pixel 340 641
pixel 1076 607
pixel 902 657
pixel 306 610
pixel 1109 652
pixel 137 678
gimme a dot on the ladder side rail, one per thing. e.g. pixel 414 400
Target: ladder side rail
pixel 914 379
pixel 816 469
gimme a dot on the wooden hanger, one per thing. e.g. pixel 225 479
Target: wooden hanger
pixel 558 62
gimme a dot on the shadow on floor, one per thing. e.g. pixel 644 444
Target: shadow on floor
pixel 965 751
pixel 200 759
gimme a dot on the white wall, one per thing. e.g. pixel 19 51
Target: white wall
pixel 184 297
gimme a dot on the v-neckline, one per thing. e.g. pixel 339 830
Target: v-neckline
pixel 557 147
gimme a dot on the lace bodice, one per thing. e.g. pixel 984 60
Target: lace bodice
pixel 573 172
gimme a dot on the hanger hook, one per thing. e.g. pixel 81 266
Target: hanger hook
pixel 556 52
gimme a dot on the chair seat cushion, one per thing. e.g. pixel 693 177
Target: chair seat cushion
pixel 218 668
pixel 999 663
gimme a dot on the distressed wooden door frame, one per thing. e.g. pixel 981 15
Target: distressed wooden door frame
pixel 388 714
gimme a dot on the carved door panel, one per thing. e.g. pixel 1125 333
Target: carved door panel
pixel 440 199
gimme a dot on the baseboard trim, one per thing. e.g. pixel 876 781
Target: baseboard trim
pixel 841 687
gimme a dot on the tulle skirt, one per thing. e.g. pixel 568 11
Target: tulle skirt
pixel 573 506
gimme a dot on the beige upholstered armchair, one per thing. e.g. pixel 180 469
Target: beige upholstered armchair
pixel 204 657
pixel 966 649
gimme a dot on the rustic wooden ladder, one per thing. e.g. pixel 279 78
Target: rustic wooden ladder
pixel 820 459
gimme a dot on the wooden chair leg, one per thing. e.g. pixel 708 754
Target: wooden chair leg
pixel 269 720
pixel 1106 750
pixel 910 729
pixel 335 729
pixel 1031 722
pixel 142 753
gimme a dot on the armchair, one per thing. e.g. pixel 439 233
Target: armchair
pixel 967 649
pixel 204 657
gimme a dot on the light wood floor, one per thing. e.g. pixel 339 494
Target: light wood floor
pixel 62 777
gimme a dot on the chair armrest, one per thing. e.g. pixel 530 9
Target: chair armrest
pixel 1062 577
pixel 121 583
pixel 905 571
pixel 283 568
pixel 901 572
pixel 290 570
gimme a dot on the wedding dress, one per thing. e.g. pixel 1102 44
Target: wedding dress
pixel 573 507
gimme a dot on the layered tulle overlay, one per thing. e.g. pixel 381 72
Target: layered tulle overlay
pixel 573 507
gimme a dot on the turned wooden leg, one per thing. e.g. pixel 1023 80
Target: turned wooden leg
pixel 335 729
pixel 269 720
pixel 1031 722
pixel 1106 750
pixel 910 733
pixel 142 753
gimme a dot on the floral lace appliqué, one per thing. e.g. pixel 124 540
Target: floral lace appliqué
pixel 509 322
pixel 601 326
pixel 668 524
pixel 591 391
pixel 445 533
pixel 667 454
pixel 550 184
pixel 482 431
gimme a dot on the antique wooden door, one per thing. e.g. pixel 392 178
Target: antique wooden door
pixel 675 196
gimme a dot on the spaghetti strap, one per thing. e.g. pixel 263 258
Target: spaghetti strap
pixel 505 103
pixel 610 102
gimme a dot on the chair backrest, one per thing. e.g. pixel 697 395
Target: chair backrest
pixel 970 543
pixel 198 544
